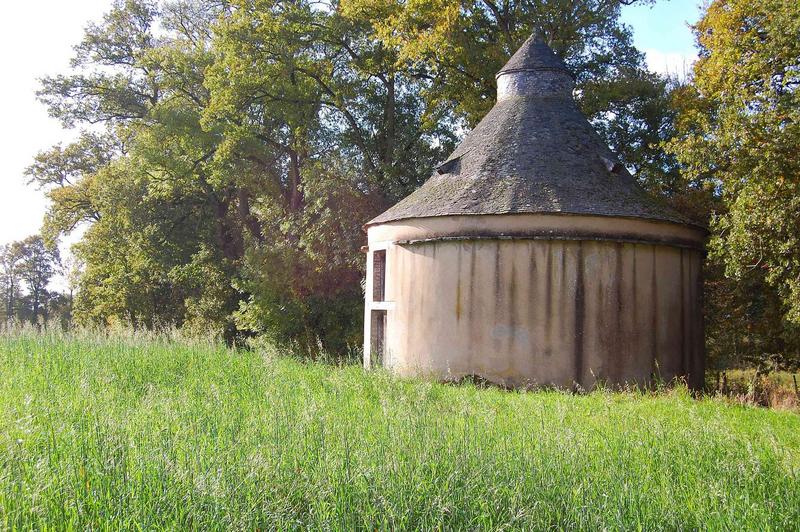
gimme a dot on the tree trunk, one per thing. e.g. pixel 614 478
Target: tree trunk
pixel 295 193
pixel 35 307
pixel 389 121
pixel 248 220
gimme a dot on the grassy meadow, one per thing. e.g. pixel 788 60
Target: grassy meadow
pixel 150 434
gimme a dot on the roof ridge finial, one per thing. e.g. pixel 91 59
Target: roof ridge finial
pixel 534 54
pixel 534 70
pixel 536 35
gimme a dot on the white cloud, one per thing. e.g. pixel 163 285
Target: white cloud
pixel 670 63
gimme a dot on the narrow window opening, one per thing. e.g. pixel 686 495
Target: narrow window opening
pixel 379 275
pixel 378 340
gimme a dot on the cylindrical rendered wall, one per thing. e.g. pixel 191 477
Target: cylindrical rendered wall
pixel 525 300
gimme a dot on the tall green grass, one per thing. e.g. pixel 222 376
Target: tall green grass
pixel 104 433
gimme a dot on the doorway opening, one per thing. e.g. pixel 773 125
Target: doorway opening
pixel 377 337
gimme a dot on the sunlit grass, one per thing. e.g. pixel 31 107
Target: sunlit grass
pixel 134 433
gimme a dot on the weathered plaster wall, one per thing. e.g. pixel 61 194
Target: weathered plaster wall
pixel 524 311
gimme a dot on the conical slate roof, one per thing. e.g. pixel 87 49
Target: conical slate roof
pixel 534 152
pixel 534 54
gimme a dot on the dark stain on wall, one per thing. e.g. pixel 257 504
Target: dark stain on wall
pixel 471 298
pixel 580 312
pixel 654 325
pixel 617 363
pixel 512 306
pixel 548 300
pixel 458 286
pixel 499 295
pixel 684 346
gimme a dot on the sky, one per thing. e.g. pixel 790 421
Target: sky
pixel 36 39
pixel 37 36
pixel 662 32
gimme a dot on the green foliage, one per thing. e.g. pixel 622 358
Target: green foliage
pixel 739 131
pixel 136 434
pixel 462 44
pixel 145 183
pixel 307 288
pixel 242 151
pixel 10 290
pixel 37 265
pixel 27 267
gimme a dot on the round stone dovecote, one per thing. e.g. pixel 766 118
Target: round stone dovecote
pixel 532 257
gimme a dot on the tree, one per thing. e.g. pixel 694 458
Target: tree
pixel 36 267
pixel 144 182
pixel 739 130
pixel 211 171
pixel 9 269
pixel 71 271
pixel 66 173
pixel 317 112
pixel 463 44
